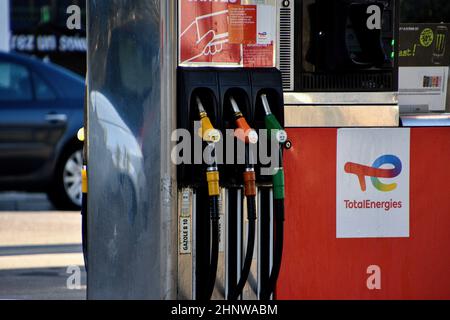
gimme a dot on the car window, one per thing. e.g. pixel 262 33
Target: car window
pixel 15 82
pixel 41 89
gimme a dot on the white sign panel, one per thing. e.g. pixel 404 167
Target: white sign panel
pixel 373 175
pixel 423 89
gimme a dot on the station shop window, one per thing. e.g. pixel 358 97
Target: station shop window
pixel 425 11
pixel 27 14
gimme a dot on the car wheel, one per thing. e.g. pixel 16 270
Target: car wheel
pixel 65 192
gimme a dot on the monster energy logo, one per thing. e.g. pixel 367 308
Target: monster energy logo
pixel 440 44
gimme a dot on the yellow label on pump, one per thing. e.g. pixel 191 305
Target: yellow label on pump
pixel 84 181
pixel 213 183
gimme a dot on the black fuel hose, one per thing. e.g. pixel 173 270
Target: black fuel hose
pixel 266 293
pixel 237 291
pixel 215 232
pixel 250 193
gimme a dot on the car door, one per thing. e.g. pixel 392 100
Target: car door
pixel 29 126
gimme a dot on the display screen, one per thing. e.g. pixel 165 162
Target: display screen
pixel 346 35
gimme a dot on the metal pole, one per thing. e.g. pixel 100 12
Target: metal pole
pixel 132 207
pixel 169 213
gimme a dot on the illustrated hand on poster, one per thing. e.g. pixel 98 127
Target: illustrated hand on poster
pixel 199 45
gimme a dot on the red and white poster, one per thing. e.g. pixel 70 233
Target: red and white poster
pixel 227 33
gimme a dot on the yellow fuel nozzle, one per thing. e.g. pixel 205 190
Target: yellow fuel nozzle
pixel 207 131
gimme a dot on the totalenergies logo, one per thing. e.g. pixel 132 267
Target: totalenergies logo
pixel 375 172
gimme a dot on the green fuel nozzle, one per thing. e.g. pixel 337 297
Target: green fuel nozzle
pixel 272 124
pixel 275 130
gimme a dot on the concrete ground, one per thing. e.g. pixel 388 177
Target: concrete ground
pixel 40 250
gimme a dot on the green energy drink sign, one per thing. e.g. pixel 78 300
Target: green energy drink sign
pixel 424 44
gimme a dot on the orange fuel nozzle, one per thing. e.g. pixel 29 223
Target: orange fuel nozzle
pixel 243 131
pixel 207 131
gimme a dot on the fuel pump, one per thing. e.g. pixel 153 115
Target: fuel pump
pixel 225 101
pixel 228 67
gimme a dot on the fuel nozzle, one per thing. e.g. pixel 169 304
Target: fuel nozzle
pixel 244 133
pixel 272 123
pixel 275 129
pixel 207 131
pixel 210 135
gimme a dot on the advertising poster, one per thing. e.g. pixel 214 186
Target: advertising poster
pixel 373 183
pixel 236 33
pixel 424 60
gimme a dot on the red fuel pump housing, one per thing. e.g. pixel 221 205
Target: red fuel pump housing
pixel 317 265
